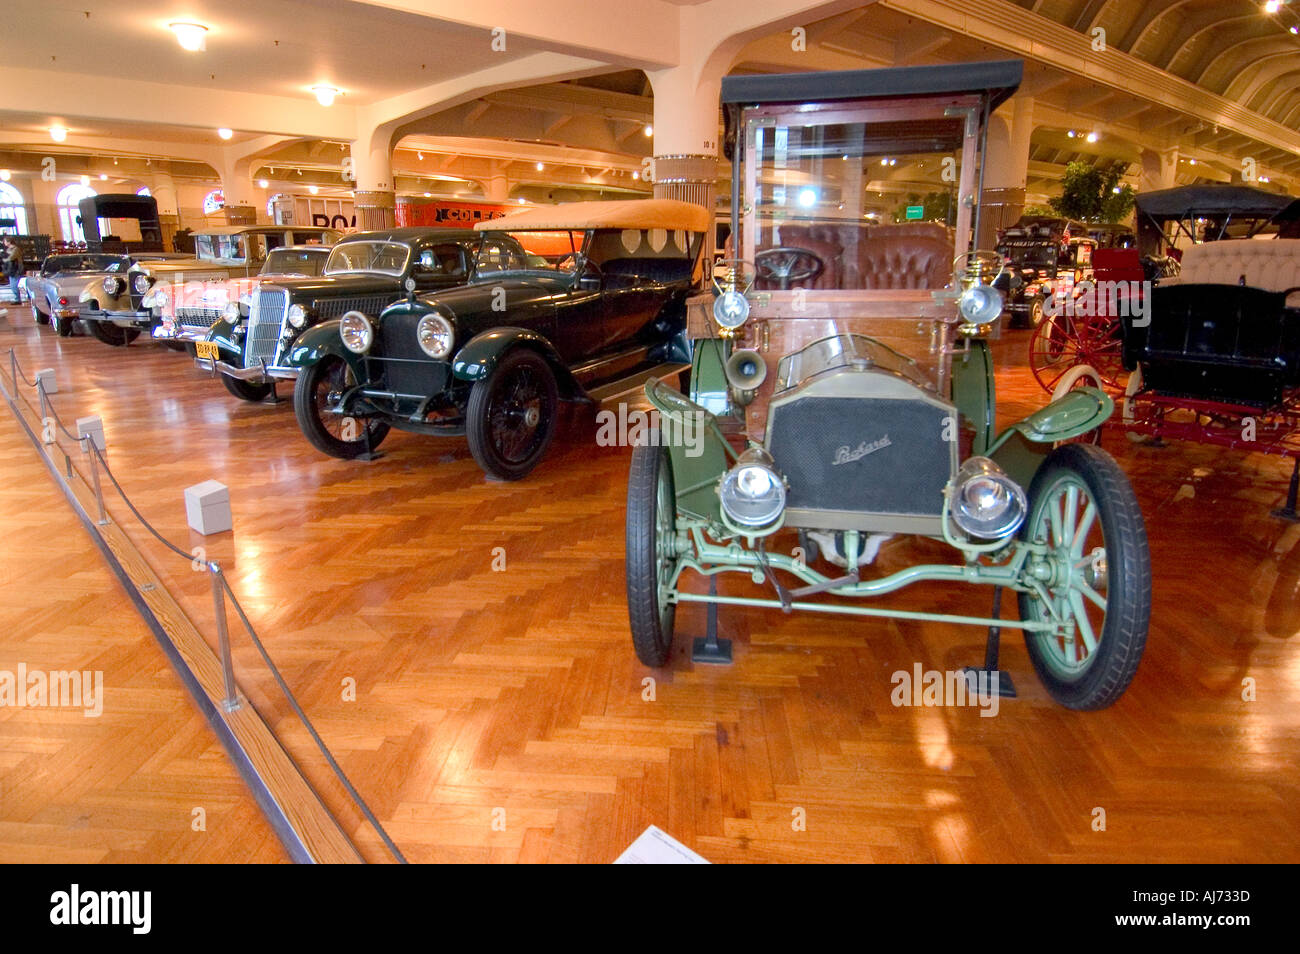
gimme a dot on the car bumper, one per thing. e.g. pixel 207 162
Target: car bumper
pixel 141 319
pixel 258 375
pixel 189 335
pixel 66 313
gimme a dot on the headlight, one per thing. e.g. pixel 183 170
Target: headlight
pixel 980 304
pixel 298 316
pixel 752 492
pixel 231 312
pixel 114 285
pixel 356 331
pixel 435 336
pixel 140 283
pixel 730 309
pixel 987 503
pixel 156 298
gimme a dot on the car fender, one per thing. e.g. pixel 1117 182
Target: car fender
pixel 1021 448
pixel 481 354
pixel 222 335
pixel 321 341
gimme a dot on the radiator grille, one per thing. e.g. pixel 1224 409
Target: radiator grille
pixel 266 316
pixel 398 364
pixel 863 455
pixel 198 318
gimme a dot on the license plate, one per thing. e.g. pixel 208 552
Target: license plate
pixel 207 349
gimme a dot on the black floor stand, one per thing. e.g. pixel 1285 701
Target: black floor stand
pixel 708 648
pixel 1288 512
pixel 1006 688
pixel 371 453
pixel 274 396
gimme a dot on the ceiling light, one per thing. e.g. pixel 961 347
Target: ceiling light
pixel 225 133
pixel 635 174
pixel 521 200
pixel 1263 178
pixel 1071 134
pixel 540 167
pixel 807 197
pixel 102 177
pixel 428 195
pixel 191 36
pixel 1092 137
pixel 649 130
pixel 262 183
pixel 85 180
pixel 1191 162
pixel 58 133
pixel 4 175
pixel 313 189
pixel 325 94
pixel 1272 6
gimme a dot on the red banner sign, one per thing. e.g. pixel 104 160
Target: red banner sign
pixel 447 214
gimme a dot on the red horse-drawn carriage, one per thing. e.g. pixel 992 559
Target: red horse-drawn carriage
pixel 1198 328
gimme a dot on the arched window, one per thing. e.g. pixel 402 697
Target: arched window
pixel 66 201
pixel 143 190
pixel 214 202
pixel 13 207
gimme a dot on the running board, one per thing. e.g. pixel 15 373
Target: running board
pixel 635 382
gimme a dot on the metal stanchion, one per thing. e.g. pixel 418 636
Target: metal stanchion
pixel 13 370
pixel 88 445
pixel 231 702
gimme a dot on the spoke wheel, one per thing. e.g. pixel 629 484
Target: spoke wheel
pixel 317 389
pixel 511 415
pixel 651 553
pixel 1098 584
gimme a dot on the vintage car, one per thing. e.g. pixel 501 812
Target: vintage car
pixel 1045 256
pixel 863 410
pixel 251 344
pixel 189 311
pixel 115 311
pixel 560 302
pixel 55 290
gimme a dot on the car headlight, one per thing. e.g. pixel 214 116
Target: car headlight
pixel 298 316
pixel 356 331
pixel 232 312
pixel 156 297
pixel 114 285
pixel 730 309
pixel 986 503
pixel 140 283
pixel 435 336
pixel 753 492
pixel 980 304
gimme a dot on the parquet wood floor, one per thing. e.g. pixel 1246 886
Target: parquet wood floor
pixel 499 713
pixel 121 786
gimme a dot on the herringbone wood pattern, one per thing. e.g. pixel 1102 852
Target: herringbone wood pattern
pixel 512 696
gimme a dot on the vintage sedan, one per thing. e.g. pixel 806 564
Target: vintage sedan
pixel 850 416
pixel 562 302
pixel 115 311
pixel 248 346
pixel 189 311
pixel 55 291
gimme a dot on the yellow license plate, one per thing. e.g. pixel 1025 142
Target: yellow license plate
pixel 207 349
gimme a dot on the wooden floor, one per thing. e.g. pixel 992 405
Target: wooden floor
pixel 499 713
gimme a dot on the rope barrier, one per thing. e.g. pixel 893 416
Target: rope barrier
pixel 89 442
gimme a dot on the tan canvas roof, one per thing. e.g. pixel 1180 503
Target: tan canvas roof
pixel 621 214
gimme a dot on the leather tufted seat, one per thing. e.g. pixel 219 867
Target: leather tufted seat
pixel 1270 264
pixel 905 255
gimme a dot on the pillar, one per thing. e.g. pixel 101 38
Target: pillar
pixel 163 189
pixel 372 167
pixel 686 132
pixel 1159 169
pixel 237 187
pixel 496 185
pixel 1006 169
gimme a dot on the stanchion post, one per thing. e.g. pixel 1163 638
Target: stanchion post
pixel 88 445
pixel 40 394
pixel 13 370
pixel 231 702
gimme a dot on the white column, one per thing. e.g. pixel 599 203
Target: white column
pixel 372 167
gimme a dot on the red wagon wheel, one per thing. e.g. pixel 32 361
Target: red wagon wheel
pixel 1062 341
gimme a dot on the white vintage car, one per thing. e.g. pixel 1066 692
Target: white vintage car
pixel 119 308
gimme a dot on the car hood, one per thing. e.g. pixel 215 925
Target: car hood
pixel 71 286
pixel 466 300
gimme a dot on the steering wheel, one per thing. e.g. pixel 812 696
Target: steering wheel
pixel 787 264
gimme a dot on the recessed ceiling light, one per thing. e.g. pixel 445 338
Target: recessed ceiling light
pixel 635 174
pixel 225 133
pixel 540 167
pixel 325 94
pixel 521 200
pixel 1092 137
pixel 1071 134
pixel 262 183
pixel 4 175
pixel 58 133
pixel 102 177
pixel 428 195
pixel 191 36
pixel 649 130
pixel 1272 6
pixel 313 189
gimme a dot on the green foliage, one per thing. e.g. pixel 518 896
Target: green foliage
pixel 939 207
pixel 1088 193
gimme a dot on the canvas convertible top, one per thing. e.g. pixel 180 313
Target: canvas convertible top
pixel 620 214
pixel 1215 199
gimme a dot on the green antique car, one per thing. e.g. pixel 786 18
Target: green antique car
pixel 842 388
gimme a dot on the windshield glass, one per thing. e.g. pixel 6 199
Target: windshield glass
pixel 294 261
pixel 67 264
pixel 554 253
pixel 835 204
pixel 387 258
pixel 1032 256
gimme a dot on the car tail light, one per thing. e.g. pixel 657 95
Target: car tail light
pixel 63 301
